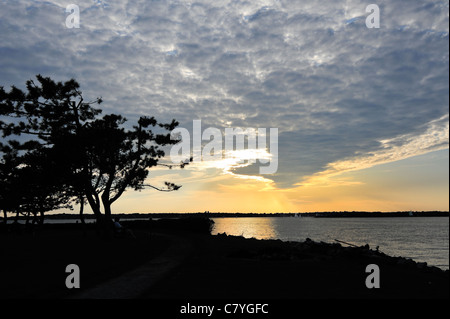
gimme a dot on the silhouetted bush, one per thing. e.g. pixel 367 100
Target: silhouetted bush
pixel 201 225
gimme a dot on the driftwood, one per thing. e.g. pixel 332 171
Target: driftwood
pixel 340 241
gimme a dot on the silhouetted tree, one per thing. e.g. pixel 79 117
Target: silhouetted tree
pixel 8 181
pixel 95 158
pixel 41 185
pixel 28 183
pixel 111 158
pixel 37 118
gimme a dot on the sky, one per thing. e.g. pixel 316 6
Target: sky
pixel 362 114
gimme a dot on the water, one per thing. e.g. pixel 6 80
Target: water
pixel 423 239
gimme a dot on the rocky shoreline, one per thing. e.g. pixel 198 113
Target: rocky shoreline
pixel 215 267
pixel 321 251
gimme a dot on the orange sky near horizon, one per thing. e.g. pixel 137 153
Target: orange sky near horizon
pixel 419 183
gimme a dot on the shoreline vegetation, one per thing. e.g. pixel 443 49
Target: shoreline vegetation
pixel 214 267
pixel 334 214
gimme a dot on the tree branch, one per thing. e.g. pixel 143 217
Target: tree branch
pixel 161 189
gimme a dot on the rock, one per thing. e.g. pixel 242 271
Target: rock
pixel 406 262
pixel 242 253
pixel 435 270
pixel 422 265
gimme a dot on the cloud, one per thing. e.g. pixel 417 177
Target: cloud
pixel 340 94
pixel 398 148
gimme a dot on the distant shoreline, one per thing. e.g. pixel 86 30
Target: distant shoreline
pixel 344 214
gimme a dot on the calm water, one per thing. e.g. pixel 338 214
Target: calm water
pixel 423 239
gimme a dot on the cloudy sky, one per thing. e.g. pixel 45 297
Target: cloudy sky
pixel 362 114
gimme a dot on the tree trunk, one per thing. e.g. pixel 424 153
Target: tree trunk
pixel 108 217
pixel 28 226
pixel 41 220
pixel 15 227
pixel 107 205
pixel 107 209
pixel 83 223
pixel 4 227
pixel 95 206
pixel 35 223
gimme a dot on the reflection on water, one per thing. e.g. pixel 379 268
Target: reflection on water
pixel 423 239
pixel 248 227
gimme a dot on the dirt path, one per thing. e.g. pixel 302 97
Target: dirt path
pixel 134 283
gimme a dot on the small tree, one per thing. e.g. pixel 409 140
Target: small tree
pixel 29 184
pixel 8 181
pixel 42 185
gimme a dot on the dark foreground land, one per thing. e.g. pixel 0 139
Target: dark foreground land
pixel 187 263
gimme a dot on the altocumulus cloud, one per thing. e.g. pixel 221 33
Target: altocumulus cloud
pixel 343 96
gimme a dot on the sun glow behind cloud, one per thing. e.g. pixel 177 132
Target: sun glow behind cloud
pixel 234 159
